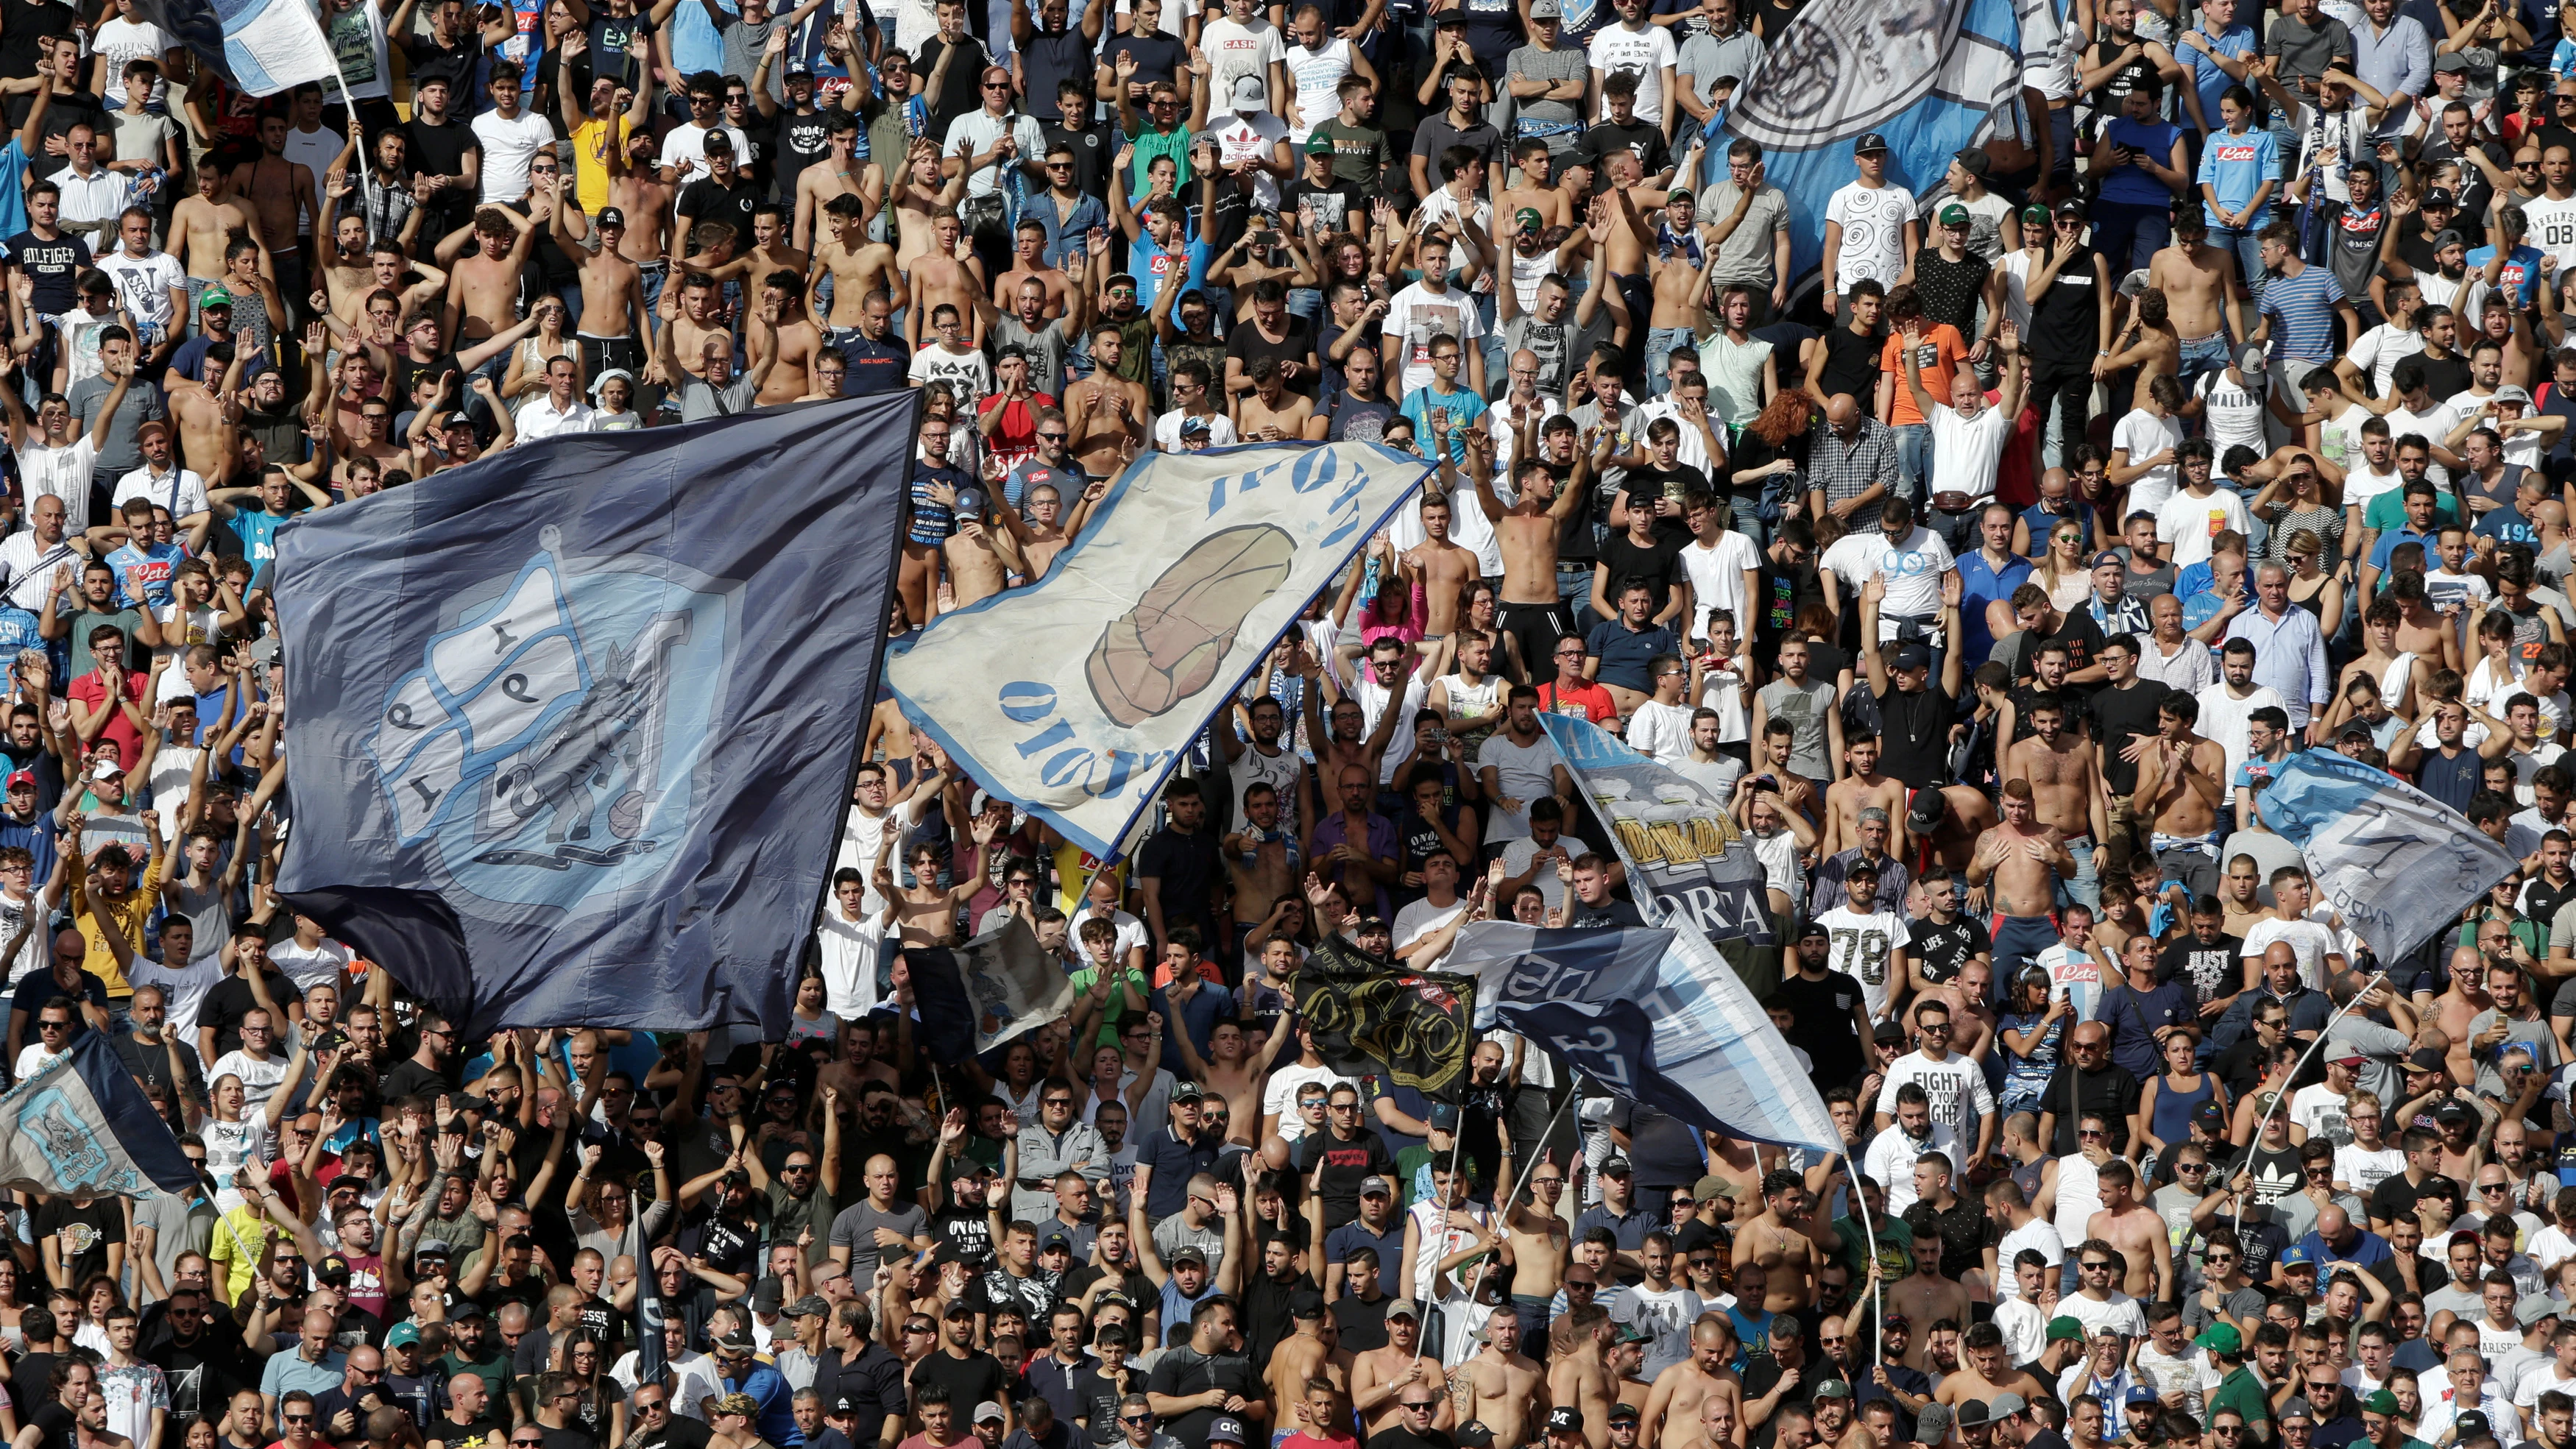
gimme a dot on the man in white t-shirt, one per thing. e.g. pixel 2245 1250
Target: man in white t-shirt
pixel 2380 349
pixel 1430 308
pixel 2192 519
pixel 1967 435
pixel 1440 905
pixel 1637 45
pixel 1240 43
pixel 1870 227
pixel 2291 947
pixel 2146 445
pixel 510 138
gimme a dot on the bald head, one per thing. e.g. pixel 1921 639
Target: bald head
pixel 1842 412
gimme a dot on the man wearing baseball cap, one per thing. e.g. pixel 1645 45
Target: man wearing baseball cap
pixel 1828 1012
pixel 1870 229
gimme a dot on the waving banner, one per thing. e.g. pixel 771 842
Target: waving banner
pixel 1687 862
pixel 260 46
pixel 2395 862
pixel 1656 1017
pixel 1371 1016
pixel 1085 688
pixel 974 997
pixel 1928 76
pixel 560 718
pixel 78 1126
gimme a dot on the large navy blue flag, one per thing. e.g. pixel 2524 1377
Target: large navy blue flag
pixel 571 726
pixel 78 1126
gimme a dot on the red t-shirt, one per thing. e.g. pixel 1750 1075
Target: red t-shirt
pixel 1589 700
pixel 90 692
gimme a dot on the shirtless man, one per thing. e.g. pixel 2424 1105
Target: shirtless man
pixel 1783 1239
pixel 2137 1230
pixel 1539 1238
pixel 1501 1387
pixel 1679 270
pixel 483 288
pixel 201 226
pixel 1578 1374
pixel 2405 681
pixel 280 196
pixel 2180 793
pixel 1924 1296
pixel 945 274
pixel 2201 291
pixel 926 190
pixel 837 175
pixel 2146 343
pixel 612 294
pixel 1028 265
pixel 2022 859
pixel 2066 791
pixel 1863 789
pixel 794 340
pixel 1529 613
pixel 1110 418
pixel 1984 1371
pixel 1042 535
pixel 1678 1404
pixel 1383 1379
pixel 770 251
pixel 698 324
pixel 856 265
pixel 1537 191
pixel 1446 572
pixel 1256 857
pixel 979 558
pixel 637 192
pixel 926 915
pixel 387 269
pixel 1623 250
pixel 1270 413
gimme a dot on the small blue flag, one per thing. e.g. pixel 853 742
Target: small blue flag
pixel 79 1127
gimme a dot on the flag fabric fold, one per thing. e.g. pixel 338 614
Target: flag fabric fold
pixel 1098 677
pixel 78 1126
pixel 974 997
pixel 260 46
pixel 2397 864
pixel 1371 1016
pixel 1655 1016
pixel 569 724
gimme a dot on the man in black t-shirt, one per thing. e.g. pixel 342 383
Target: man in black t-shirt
pixel 440 145
pixel 49 257
pixel 1848 360
pixel 1826 1010
pixel 969 1374
pixel 219 1016
pixel 724 194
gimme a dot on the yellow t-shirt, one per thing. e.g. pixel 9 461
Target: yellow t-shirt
pixel 233 1247
pixel 1073 868
pixel 129 918
pixel 590 162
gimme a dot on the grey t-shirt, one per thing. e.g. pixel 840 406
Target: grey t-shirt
pixel 1046 348
pixel 856 1228
pixel 123 452
pixel 2532 1034
pixel 1707 59
pixel 699 402
pixel 743 43
pixel 1806 711
pixel 1564 63
pixel 1561 346
pixel 1747 253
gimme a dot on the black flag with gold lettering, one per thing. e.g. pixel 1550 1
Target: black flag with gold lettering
pixel 1372 1015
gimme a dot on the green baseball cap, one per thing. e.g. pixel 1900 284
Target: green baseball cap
pixel 2034 216
pixel 214 297
pixel 2064 1328
pixel 1954 215
pixel 2221 1338
pixel 2381 1401
pixel 1529 218
pixel 1319 144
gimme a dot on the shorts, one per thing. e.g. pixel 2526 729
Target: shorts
pixel 1536 628
pixel 2017 941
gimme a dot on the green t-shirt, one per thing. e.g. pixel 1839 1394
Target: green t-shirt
pixel 2243 1392
pixel 1116 1011
pixel 81 622
pixel 1895 1248
pixel 2388 510
pixel 1150 143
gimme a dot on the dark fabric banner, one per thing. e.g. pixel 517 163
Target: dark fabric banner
pixel 571 728
pixel 1372 1016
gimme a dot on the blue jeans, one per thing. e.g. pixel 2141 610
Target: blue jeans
pixel 2200 357
pixel 2241 240
pixel 1660 342
pixel 1913 457
pixel 1306 302
pixel 2086 889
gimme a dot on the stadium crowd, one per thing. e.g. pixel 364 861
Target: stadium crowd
pixel 2214 408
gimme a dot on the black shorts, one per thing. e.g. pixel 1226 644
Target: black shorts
pixel 1537 627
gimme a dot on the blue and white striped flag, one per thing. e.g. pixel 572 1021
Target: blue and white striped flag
pixel 2397 863
pixel 261 46
pixel 1655 1016
pixel 79 1127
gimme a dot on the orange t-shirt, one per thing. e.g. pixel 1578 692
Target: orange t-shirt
pixel 1940 355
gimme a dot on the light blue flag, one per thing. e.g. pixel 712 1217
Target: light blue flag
pixel 261 46
pixel 1655 1016
pixel 1928 75
pixel 1081 691
pixel 2397 863
pixel 1687 862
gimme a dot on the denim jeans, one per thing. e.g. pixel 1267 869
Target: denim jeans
pixel 1660 342
pixel 2200 357
pixel 2248 251
pixel 2128 235
pixel 1913 457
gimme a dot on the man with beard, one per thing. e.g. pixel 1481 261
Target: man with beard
pixel 204 1366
